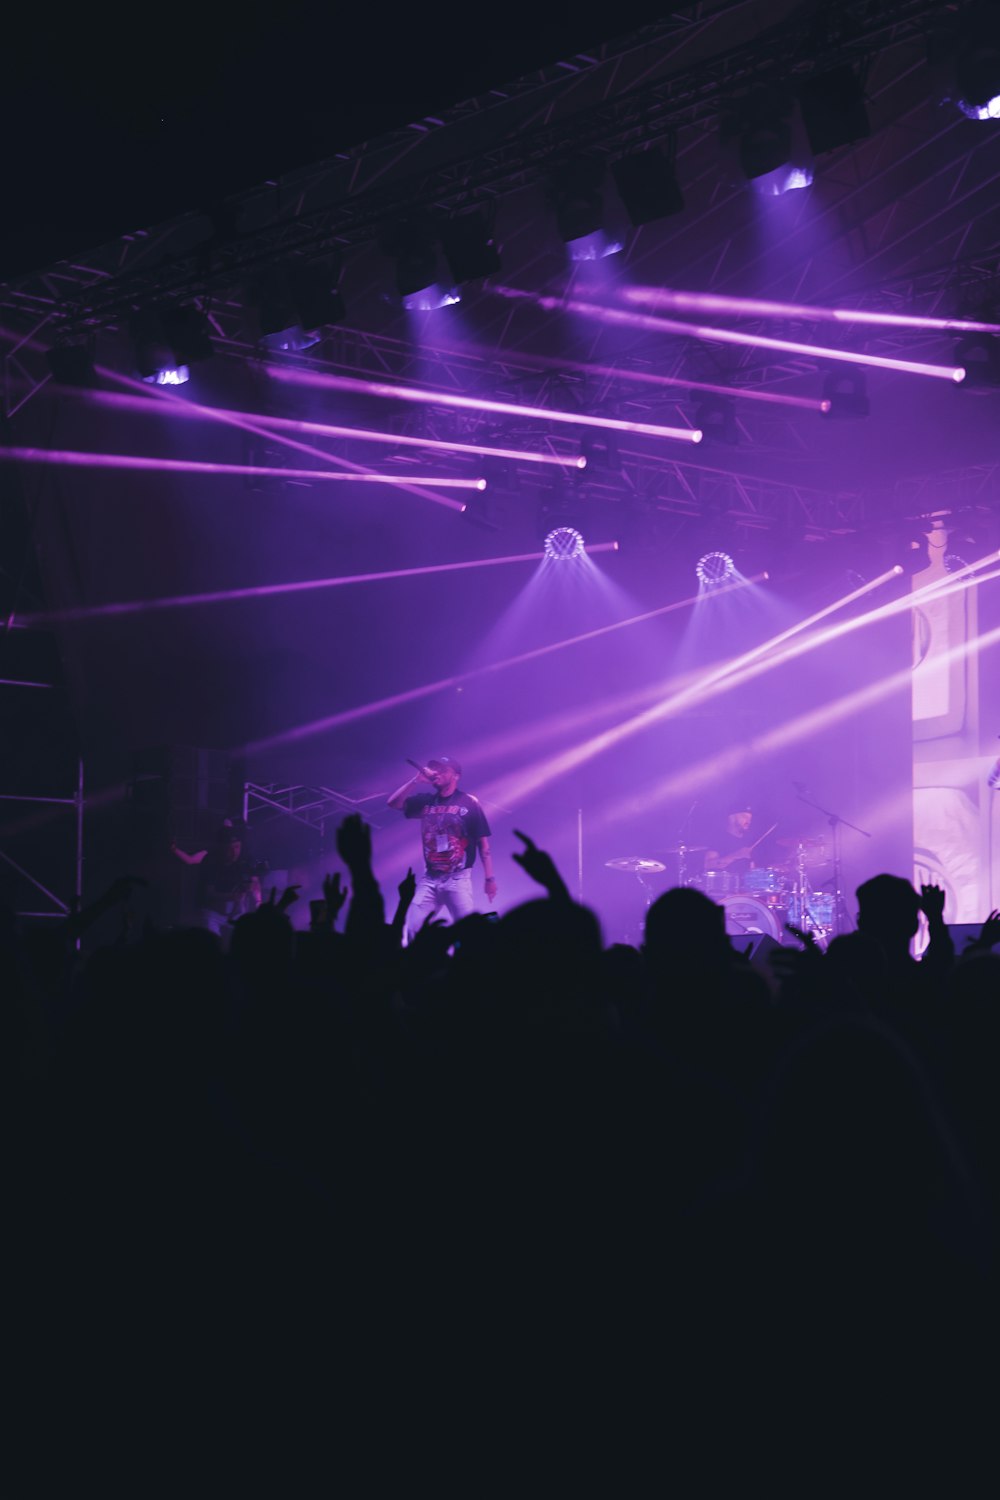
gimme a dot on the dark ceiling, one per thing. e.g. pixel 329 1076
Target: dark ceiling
pixel 119 123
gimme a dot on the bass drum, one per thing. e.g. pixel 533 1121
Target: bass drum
pixel 746 917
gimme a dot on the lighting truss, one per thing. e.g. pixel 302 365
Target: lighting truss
pixel 661 104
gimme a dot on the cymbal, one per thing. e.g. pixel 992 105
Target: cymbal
pixel 684 849
pixel 634 864
pixel 806 843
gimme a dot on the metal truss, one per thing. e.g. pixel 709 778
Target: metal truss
pixel 330 210
pixel 56 906
pixel 314 807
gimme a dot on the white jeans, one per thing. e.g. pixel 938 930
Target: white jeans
pixel 453 893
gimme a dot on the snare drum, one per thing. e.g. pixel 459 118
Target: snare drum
pixel 816 911
pixel 717 882
pixel 745 916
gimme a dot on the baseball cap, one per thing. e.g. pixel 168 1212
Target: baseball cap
pixel 446 763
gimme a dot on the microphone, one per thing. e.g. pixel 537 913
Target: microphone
pixel 416 767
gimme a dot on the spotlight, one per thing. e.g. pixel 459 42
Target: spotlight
pixel 469 248
pixel 647 186
pixel 977 63
pixel 770 142
pixel 715 568
pixel 563 543
pixel 964 54
pixel 577 193
pixel 411 243
pixel 294 302
pixel 833 109
pixel 167 340
pixel 845 394
pixel 979 355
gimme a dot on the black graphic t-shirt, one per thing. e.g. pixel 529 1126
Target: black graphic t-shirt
pixel 450 829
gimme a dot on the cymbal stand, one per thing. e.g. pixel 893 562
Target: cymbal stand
pixel 681 864
pixel 646 888
pixel 841 916
pixel 803 895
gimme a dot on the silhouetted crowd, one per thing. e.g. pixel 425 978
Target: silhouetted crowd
pixel 502 1208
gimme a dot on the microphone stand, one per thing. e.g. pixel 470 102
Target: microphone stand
pixel 841 919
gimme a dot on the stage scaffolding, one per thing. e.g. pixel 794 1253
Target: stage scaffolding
pixel 56 907
pixel 318 808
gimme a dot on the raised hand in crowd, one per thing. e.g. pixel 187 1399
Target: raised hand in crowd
pixel 989 935
pixel 932 899
pixel 366 915
pixel 324 914
pixel 117 893
pixel 541 867
pixel 407 889
pixel 354 843
pixel 288 897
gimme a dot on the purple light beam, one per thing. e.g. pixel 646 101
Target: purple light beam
pixel 755 307
pixel 366 710
pixel 68 458
pixel 161 394
pixel 619 316
pixel 478 403
pixel 267 590
pixel 326 429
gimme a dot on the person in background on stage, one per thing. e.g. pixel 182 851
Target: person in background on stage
pixel 729 845
pixel 227 884
pixel 453 827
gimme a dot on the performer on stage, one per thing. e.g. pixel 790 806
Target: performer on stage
pixel 227 884
pixel 729 845
pixel 452 827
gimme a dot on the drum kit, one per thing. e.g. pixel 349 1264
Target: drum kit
pixel 760 901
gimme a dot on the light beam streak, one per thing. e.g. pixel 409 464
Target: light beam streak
pixel 478 403
pixel 714 335
pixel 242 425
pixel 68 458
pixel 268 590
pixel 182 408
pixel 755 307
pixel 381 705
pixel 736 673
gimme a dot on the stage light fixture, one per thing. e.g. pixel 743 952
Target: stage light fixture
pixel 833 110
pixel 963 54
pixel 166 341
pixel 577 192
pixel 767 132
pixel 294 302
pixel 563 543
pixel 845 394
pixel 647 186
pixel 412 245
pixel 977 62
pixel 469 248
pixel 715 568
pixel 979 354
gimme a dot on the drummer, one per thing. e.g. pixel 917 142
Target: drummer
pixel 729 844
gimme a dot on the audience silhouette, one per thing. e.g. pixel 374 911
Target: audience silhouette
pixel 506 1178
